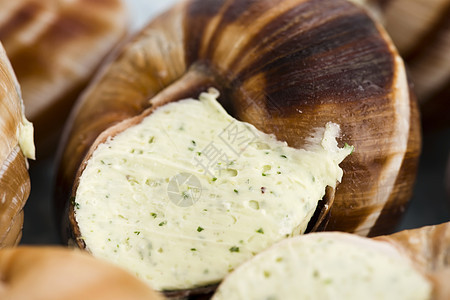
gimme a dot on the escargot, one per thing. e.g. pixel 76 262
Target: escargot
pixel 295 75
pixel 421 31
pixel 55 47
pixel 412 264
pixel 59 273
pixel 16 145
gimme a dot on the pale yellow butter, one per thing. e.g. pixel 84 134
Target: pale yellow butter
pixel 190 193
pixel 326 266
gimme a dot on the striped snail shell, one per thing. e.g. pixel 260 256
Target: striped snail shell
pixel 287 67
pixel 54 47
pixel 421 32
pixel 14 179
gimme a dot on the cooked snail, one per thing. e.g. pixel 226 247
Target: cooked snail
pixel 55 47
pixel 412 264
pixel 53 273
pixel 302 73
pixel 16 145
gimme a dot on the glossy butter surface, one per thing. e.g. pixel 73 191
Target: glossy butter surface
pixel 326 266
pixel 188 194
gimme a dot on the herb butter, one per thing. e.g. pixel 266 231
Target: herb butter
pixel 326 266
pixel 188 194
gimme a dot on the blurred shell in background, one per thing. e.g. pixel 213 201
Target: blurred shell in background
pixel 51 273
pixel 54 47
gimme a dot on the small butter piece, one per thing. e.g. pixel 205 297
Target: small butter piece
pixel 26 141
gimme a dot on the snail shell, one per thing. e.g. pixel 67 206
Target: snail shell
pixel 14 179
pixel 421 32
pixel 287 69
pixel 55 46
pixel 58 273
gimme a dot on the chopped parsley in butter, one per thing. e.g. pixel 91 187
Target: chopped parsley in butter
pixel 326 266
pixel 202 190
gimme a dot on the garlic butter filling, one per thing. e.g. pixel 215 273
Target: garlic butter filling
pixel 323 266
pixel 188 194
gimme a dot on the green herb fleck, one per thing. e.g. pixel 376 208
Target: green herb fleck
pixel 162 223
pixel 193 249
pixel 234 249
pixel 283 156
pixel 199 153
pixel 264 174
pixel 194 143
pixel 137 232
pixel 200 229
pixel 266 274
pixel 278 172
pixel 151 140
pixel 260 230
pixel 348 146
pixel 214 179
pixel 236 191
pixel 154 215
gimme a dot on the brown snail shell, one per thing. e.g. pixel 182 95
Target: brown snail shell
pixel 421 32
pixel 195 46
pixel 55 47
pixel 53 273
pixel 14 178
pixel 287 69
pixel 429 247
